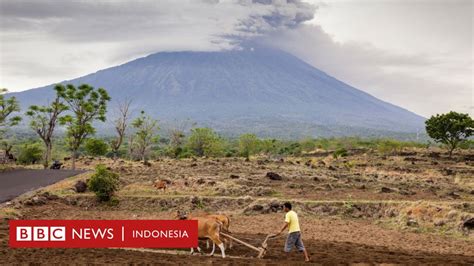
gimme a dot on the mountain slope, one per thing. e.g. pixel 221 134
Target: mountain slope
pixel 244 90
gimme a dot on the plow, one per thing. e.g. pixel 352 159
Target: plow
pixel 262 249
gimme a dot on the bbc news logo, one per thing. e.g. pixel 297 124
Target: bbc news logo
pixel 103 233
pixel 40 233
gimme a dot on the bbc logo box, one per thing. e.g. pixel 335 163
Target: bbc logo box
pixel 41 233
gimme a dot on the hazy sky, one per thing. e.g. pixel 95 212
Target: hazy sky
pixel 414 53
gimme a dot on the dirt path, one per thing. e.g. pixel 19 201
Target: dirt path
pixel 16 182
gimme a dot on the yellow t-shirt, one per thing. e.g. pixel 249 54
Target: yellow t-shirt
pixel 292 219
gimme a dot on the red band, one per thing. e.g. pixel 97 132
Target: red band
pixel 103 233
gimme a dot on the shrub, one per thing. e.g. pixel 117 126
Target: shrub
pixel 96 147
pixel 248 145
pixel 30 154
pixel 339 153
pixel 204 141
pixel 103 183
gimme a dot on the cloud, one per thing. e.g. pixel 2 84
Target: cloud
pixel 423 83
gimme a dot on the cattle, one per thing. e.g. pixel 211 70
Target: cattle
pixel 160 184
pixel 225 220
pixel 208 228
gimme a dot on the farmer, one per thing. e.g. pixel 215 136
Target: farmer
pixel 294 234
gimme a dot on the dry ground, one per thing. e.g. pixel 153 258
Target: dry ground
pixel 407 208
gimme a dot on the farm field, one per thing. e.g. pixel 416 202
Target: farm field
pixel 409 207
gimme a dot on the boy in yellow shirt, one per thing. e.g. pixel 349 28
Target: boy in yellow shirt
pixel 294 234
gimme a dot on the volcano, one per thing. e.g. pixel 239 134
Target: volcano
pixel 260 90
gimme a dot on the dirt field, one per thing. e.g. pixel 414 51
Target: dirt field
pixel 413 207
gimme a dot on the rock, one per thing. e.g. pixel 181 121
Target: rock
pixel 452 214
pixel 80 186
pixel 50 196
pixel 449 171
pixel 211 183
pixel 412 222
pixel 332 168
pixel 36 200
pixel 257 207
pixel 386 190
pixel 275 206
pixel 147 163
pixel 407 192
pixel 274 176
pixel 468 224
pixel 234 176
pixel 200 181
pixel 439 222
pixel 195 200
pixel 361 187
pixel 316 179
pixel 193 165
pixel 453 195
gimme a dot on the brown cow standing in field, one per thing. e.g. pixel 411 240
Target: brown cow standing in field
pixel 208 228
pixel 225 220
pixel 160 184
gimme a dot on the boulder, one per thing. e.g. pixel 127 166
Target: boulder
pixel 387 190
pixel 80 186
pixel 274 176
pixel 234 176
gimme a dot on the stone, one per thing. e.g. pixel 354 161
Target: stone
pixel 80 186
pixel 274 176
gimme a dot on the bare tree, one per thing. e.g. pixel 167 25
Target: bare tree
pixel 177 135
pixel 120 124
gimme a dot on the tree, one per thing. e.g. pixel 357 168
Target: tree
pixel 450 129
pixel 87 105
pixel 30 154
pixel 177 136
pixel 248 145
pixel 43 122
pixel 120 124
pixel 204 141
pixel 96 147
pixel 7 107
pixel 145 135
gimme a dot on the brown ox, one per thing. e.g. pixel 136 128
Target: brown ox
pixel 160 184
pixel 208 228
pixel 225 220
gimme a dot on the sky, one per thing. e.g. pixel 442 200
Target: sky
pixel 417 54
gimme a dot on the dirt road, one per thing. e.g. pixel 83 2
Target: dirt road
pixel 16 182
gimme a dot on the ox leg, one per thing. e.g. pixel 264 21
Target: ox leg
pixel 213 249
pixel 192 251
pixel 221 246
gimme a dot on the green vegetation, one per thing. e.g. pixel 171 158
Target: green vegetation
pixel 451 129
pixel 77 108
pixel 30 154
pixel 8 106
pixel 248 145
pixel 145 136
pixel 205 142
pixel 96 147
pixel 87 105
pixel 103 183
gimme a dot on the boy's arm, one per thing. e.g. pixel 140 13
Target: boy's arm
pixel 283 228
